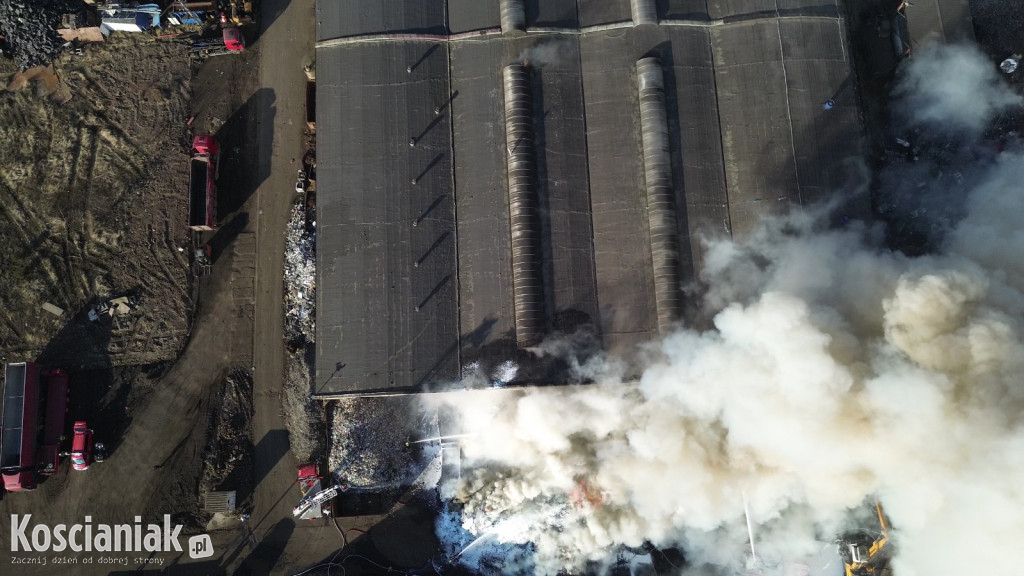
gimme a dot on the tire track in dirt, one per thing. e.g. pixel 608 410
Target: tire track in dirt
pixel 30 247
pixel 31 227
pixel 83 180
pixel 79 178
pixel 160 262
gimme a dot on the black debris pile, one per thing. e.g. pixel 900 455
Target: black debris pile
pixel 29 28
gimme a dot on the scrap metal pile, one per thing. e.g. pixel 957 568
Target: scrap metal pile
pixel 30 28
pixel 300 278
pixel 370 442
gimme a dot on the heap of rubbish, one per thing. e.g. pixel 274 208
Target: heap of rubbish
pixel 29 28
pixel 375 442
pixel 300 278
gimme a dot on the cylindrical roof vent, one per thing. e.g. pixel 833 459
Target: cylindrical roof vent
pixel 644 12
pixel 523 202
pixel 513 15
pixel 661 211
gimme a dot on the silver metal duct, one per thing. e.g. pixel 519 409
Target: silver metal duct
pixel 644 12
pixel 661 212
pixel 513 15
pixel 527 281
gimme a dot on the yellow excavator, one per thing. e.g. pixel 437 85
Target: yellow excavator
pixel 867 553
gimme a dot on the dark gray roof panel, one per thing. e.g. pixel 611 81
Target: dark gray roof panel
pixel 757 138
pixel 938 20
pixel 594 12
pixel 470 15
pixel 718 9
pixel 369 334
pixel 816 7
pixel 551 13
pixel 699 174
pixel 826 141
pixel 564 186
pixel 485 274
pixel 338 19
pixel 739 9
pixel 683 10
pixel 814 39
pixel 622 249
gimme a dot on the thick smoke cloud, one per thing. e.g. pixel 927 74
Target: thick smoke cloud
pixel 837 372
pixel 953 86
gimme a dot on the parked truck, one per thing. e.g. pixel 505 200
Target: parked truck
pixel 53 426
pixel 202 196
pixel 18 432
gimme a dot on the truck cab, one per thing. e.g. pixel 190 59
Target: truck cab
pixel 82 447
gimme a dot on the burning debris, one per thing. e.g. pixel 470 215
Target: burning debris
pixel 300 278
pixel 30 28
pixel 837 371
pixel 473 375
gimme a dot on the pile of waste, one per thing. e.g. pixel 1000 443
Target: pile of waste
pixel 29 28
pixel 300 279
pixel 374 442
pixel 475 375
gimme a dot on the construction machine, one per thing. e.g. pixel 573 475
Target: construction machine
pixel 230 42
pixel 867 553
pixel 236 12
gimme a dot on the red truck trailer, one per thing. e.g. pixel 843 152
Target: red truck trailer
pixel 202 195
pixel 18 433
pixel 53 426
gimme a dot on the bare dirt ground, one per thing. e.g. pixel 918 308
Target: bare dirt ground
pixel 149 385
pixel 91 207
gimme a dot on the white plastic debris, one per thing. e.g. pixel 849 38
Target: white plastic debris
pixel 300 278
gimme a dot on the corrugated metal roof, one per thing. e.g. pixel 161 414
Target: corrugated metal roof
pixel 938 20
pixel 747 134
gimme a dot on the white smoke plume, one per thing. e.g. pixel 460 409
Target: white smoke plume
pixel 544 53
pixel 954 86
pixel 837 372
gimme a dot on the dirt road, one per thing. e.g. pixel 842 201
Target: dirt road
pixel 281 545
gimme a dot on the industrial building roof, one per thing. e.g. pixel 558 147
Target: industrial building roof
pixel 938 20
pixel 417 267
pixel 997 27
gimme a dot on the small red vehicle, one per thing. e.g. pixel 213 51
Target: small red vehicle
pixel 82 447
